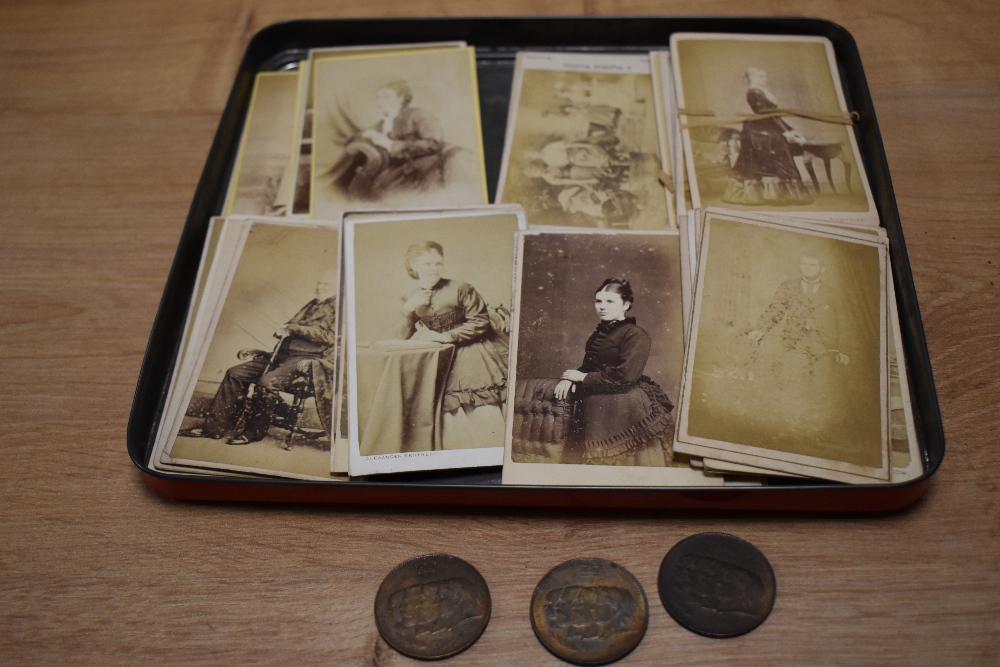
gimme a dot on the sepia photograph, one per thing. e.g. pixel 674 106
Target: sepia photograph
pixel 260 399
pixel 787 359
pixel 223 239
pixel 766 128
pixel 904 458
pixel 396 130
pixel 582 147
pixel 429 298
pixel 662 76
pixel 340 450
pixel 596 360
pixel 904 450
pixel 303 172
pixel 262 178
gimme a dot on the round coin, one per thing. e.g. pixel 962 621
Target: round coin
pixel 589 611
pixel 717 585
pixel 432 607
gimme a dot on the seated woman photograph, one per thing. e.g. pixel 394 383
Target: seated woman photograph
pixel 623 417
pixel 443 310
pixel 404 149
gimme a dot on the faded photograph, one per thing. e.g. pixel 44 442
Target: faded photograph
pixel 303 179
pixel 302 191
pixel 584 151
pixel 904 451
pixel 264 391
pixel 599 349
pixel 770 160
pixel 661 75
pixel 899 442
pixel 262 180
pixel 789 344
pixel 431 320
pixel 396 130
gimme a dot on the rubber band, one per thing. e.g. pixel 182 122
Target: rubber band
pixel 703 118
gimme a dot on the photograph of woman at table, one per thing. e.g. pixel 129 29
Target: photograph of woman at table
pixel 443 310
pixel 624 417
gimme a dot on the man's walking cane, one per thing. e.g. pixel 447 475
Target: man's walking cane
pixel 241 420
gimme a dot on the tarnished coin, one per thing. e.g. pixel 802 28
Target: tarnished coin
pixel 589 611
pixel 432 607
pixel 717 585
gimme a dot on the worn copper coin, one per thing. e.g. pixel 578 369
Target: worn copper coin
pixel 717 585
pixel 589 611
pixel 432 607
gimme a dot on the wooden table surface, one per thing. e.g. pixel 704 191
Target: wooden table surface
pixel 107 111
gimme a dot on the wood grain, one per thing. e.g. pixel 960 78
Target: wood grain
pixel 107 111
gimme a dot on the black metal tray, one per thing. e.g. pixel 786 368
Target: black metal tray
pixel 497 41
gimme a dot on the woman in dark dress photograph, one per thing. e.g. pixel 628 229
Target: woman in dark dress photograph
pixel 624 417
pixel 765 169
pixel 447 311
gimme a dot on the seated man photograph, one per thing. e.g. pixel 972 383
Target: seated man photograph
pixel 244 405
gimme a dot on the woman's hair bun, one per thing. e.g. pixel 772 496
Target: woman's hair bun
pixel 619 286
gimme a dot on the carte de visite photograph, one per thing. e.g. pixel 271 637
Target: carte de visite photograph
pixel 596 360
pixel 397 130
pixel 428 319
pixel 662 77
pixel 903 449
pixel 217 244
pixel 260 398
pixel 765 127
pixel 263 176
pixel 582 147
pixel 787 358
pixel 303 173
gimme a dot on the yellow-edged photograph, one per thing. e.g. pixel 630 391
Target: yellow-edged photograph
pixel 397 130
pixel 263 177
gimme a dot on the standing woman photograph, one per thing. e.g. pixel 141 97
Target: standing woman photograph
pixel 623 417
pixel 442 310
pixel 428 301
pixel 765 169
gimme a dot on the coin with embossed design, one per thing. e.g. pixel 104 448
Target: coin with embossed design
pixel 589 611
pixel 717 585
pixel 432 607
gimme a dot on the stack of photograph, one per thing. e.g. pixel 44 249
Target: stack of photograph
pixel 682 280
